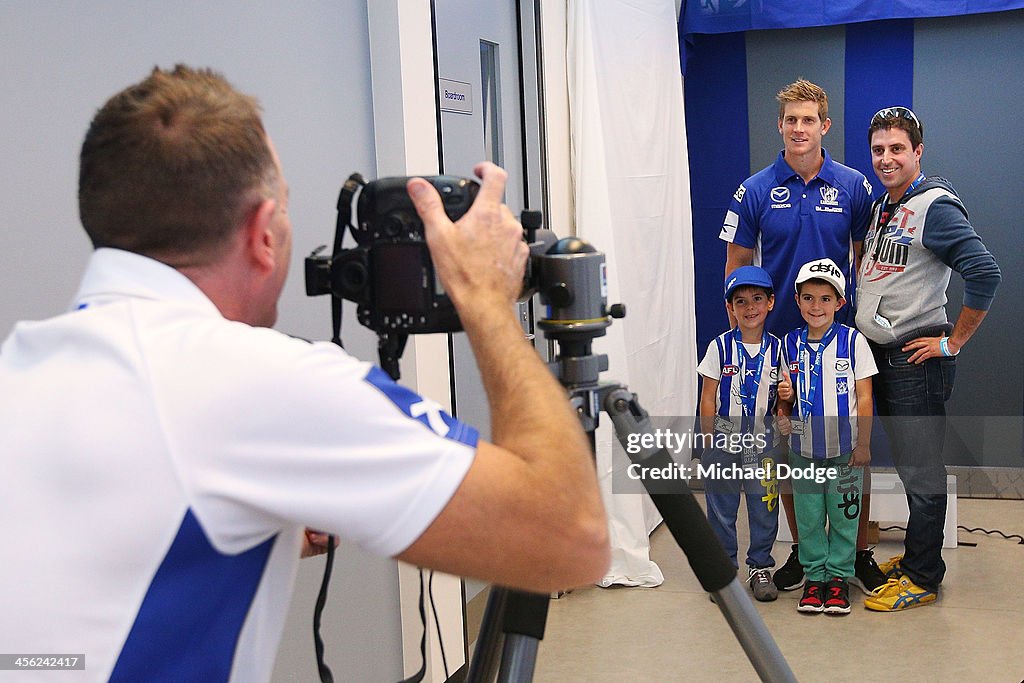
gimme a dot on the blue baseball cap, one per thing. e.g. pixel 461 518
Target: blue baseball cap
pixel 748 276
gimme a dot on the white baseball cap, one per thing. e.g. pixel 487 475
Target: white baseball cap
pixel 822 269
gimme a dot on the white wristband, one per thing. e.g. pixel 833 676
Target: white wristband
pixel 944 347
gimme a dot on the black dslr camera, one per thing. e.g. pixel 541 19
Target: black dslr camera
pixel 389 274
pixel 391 278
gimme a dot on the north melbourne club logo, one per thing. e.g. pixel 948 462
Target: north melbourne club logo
pixel 829 195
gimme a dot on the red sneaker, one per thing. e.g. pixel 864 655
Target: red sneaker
pixel 837 597
pixel 814 597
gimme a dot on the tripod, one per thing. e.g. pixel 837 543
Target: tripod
pixel 514 620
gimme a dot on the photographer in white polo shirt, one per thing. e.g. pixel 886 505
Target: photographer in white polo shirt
pixel 163 450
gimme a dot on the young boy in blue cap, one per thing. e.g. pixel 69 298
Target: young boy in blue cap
pixel 740 376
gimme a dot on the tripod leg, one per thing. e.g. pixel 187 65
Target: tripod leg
pixel 685 519
pixel 692 532
pixel 513 621
pixel 518 659
pixel 485 653
pixel 525 618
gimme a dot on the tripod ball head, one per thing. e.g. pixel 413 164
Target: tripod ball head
pixel 573 283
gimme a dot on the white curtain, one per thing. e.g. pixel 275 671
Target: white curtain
pixel 632 202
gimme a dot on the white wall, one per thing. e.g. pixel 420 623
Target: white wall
pixel 308 63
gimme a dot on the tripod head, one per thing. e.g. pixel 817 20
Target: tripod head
pixel 573 285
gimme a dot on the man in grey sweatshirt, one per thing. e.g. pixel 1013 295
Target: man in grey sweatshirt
pixel 918 235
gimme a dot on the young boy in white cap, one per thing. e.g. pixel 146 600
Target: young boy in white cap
pixel 741 371
pixel 828 392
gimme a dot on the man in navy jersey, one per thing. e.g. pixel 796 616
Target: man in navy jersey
pixel 919 235
pixel 804 206
pixel 163 449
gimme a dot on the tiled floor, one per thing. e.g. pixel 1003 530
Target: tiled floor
pixel 974 632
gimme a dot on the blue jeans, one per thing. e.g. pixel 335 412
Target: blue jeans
pixel 911 402
pixel 723 501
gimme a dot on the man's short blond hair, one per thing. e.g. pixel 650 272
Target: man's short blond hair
pixel 803 91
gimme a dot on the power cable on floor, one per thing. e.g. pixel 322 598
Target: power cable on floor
pixel 970 530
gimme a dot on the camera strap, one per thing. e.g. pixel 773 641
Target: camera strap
pixel 352 186
pixel 354 183
pixel 321 599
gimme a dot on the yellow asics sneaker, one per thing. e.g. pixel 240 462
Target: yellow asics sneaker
pixel 891 567
pixel 899 594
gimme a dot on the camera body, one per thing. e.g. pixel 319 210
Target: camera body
pixel 391 277
pixel 389 274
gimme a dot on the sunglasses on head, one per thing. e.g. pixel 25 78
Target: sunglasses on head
pixel 890 113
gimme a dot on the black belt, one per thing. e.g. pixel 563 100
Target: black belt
pixel 942 330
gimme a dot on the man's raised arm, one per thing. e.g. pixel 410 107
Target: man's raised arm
pixel 529 513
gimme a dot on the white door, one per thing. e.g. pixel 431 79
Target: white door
pixel 487 89
pixel 488 95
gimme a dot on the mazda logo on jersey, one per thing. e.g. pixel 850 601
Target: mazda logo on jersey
pixel 774 375
pixel 730 370
pixel 780 194
pixel 842 365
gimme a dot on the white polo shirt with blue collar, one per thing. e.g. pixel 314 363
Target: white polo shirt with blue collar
pixel 160 463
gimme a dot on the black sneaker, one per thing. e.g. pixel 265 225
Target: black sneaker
pixel 867 575
pixel 813 600
pixel 790 576
pixel 837 597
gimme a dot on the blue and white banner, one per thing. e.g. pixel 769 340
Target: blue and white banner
pixel 728 16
